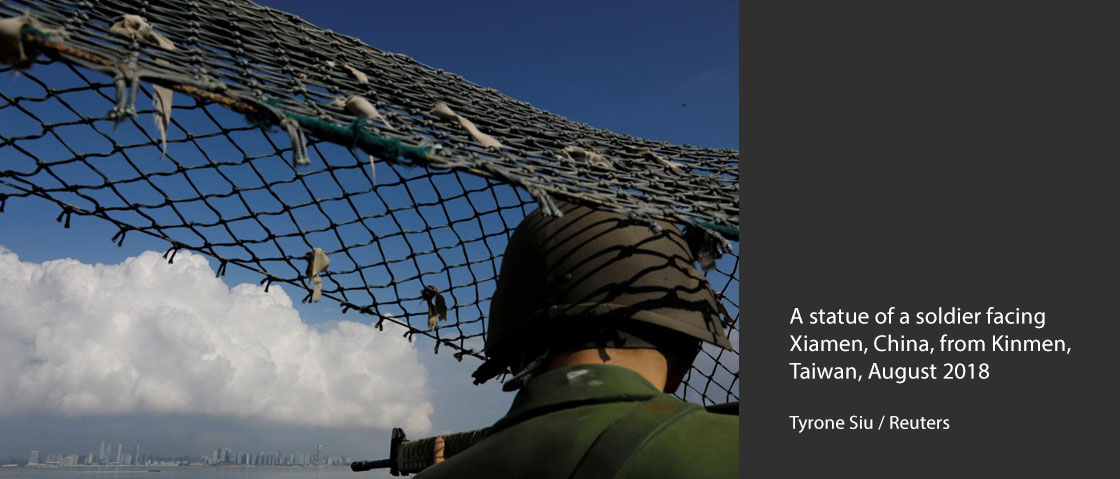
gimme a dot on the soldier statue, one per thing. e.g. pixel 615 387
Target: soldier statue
pixel 598 318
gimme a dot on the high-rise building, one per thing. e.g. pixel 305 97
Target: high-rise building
pixel 34 459
pixel 119 448
pixel 101 454
pixel 70 461
pixel 136 457
pixel 89 459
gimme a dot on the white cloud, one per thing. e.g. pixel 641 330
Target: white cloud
pixel 144 336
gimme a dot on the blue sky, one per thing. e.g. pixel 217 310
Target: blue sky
pixel 660 70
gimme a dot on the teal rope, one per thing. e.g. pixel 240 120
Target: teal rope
pixel 730 232
pixel 384 147
pixel 387 148
pixel 30 30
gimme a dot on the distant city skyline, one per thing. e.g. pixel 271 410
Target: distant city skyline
pixel 220 455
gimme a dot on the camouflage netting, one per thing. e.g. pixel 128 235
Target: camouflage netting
pixel 283 139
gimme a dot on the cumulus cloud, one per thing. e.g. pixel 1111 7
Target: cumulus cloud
pixel 144 336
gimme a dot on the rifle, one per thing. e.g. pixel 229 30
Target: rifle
pixel 409 457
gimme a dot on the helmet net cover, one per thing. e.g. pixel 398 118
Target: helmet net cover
pixel 590 267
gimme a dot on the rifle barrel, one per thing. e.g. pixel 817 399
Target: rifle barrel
pixel 359 466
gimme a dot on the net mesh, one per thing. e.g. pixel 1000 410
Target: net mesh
pixel 261 167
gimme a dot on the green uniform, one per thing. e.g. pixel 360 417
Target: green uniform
pixel 599 421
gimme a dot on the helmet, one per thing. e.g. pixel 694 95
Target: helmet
pixel 590 266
